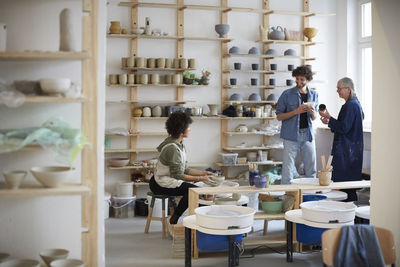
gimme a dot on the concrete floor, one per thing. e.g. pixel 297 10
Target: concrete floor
pixel 127 245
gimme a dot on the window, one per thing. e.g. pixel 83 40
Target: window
pixel 365 59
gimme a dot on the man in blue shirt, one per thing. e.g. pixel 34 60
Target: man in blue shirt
pixel 296 108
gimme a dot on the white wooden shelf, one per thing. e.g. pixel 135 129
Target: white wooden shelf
pixel 250 102
pixel 248 118
pixel 154 69
pixel 140 134
pixel 43 55
pixel 288 42
pixel 249 148
pixel 54 99
pixel 188 38
pixel 157 85
pixel 220 164
pixel 37 190
pixel 249 71
pixel 242 133
pixel 132 167
pixel 150 102
pixel 227 86
pixel 135 150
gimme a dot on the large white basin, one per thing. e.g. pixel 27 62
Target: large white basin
pixel 327 211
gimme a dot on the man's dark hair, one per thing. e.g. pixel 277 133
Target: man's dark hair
pixel 177 123
pixel 303 71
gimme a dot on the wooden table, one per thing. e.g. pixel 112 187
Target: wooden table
pixel 295 190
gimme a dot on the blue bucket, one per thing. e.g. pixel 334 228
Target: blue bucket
pixel 307 234
pixel 208 242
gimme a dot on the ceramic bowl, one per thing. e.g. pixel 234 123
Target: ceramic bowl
pixel 118 162
pixel 138 31
pixel 236 97
pixel 311 104
pixel 52 176
pixel 272 207
pixel 310 33
pixel 271 52
pixel 218 179
pixel 14 178
pixel 67 263
pixel 255 97
pixel 49 255
pixel 290 52
pixel 20 263
pixel 254 50
pixel 56 85
pixel 234 50
pixel 222 29
pixel 272 97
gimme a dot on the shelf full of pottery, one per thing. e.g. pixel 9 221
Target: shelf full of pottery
pixel 280 35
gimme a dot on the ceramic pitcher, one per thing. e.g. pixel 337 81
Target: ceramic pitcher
pixel 115 27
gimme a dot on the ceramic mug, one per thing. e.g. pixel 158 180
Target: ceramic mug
pixel 140 62
pixel 155 78
pixel 131 78
pixel 113 78
pixel 254 66
pixel 253 81
pixel 176 79
pixel 130 62
pixel 192 63
pixel 168 79
pixel 160 63
pixel 184 63
pixel 124 62
pixel 233 81
pixel 168 63
pixel 289 82
pixel 273 66
pixel 144 79
pixel 290 67
pixel 122 78
pixel 176 63
pixel 151 63
pixel 271 81
pixel 258 112
pixel 237 66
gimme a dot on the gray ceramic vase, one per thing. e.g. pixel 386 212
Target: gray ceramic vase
pixel 222 29
pixel 255 97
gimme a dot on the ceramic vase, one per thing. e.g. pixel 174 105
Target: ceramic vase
pixel 168 79
pixel 113 78
pixel 151 63
pixel 168 63
pixel 184 63
pixel 192 63
pixel 155 78
pixel 144 79
pixel 140 62
pixel 130 62
pixel 176 79
pixel 115 27
pixel 137 112
pixel 123 79
pixel 156 111
pixel 67 33
pixel 146 112
pixel 176 63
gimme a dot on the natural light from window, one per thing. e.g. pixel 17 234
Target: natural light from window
pixel 366 20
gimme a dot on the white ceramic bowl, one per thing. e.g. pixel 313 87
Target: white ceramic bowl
pixel 20 263
pixel 55 85
pixel 67 263
pixel 138 31
pixel 118 162
pixel 14 178
pixel 218 179
pixel 49 255
pixel 52 176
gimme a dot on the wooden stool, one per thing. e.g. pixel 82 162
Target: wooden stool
pixel 150 214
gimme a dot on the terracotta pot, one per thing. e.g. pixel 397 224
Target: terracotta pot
pixel 137 112
pixel 115 27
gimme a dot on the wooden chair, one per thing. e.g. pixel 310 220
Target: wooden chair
pixel 150 217
pixel 330 241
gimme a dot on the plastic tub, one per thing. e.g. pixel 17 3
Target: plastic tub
pixel 141 207
pixel 207 242
pixel 107 202
pixel 157 209
pixel 309 235
pixel 123 207
pixel 229 158
pixel 328 211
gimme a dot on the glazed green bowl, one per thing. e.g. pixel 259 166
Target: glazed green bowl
pixel 272 207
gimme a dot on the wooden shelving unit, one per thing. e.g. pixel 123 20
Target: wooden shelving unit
pixel 150 102
pixel 133 150
pixel 157 85
pixel 188 38
pixel 220 164
pixel 229 102
pixel 231 149
pixel 89 117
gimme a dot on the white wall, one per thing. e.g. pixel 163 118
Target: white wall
pixel 203 145
pixel 29 225
pixel 385 146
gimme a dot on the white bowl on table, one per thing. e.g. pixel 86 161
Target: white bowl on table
pixel 14 178
pixel 20 263
pixel 52 176
pixel 55 85
pixel 67 263
pixel 49 255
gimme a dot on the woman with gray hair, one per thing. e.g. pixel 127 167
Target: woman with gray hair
pixel 348 140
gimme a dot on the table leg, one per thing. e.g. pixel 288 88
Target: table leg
pixel 188 247
pixel 289 241
pixel 231 257
pixel 237 254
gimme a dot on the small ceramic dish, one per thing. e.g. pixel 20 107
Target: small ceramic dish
pixel 138 31
pixel 67 263
pixel 14 178
pixel 20 263
pixel 49 255
pixel 55 85
pixel 118 162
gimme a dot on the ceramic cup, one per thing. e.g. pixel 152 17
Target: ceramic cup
pixel 140 62
pixel 176 79
pixel 176 63
pixel 273 66
pixel 253 81
pixel 237 66
pixel 160 63
pixel 254 66
pixel 271 81
pixel 130 62
pixel 192 63
pixel 146 112
pixel 124 61
pixel 309 66
pixel 168 63
pixel 155 78
pixel 289 82
pixel 324 178
pixel 290 67
pixel 123 79
pixel 14 178
pixel 131 78
pixel 258 112
pixel 113 78
pixel 184 63
pixel 144 79
pixel 168 79
pixel 233 81
pixel 151 63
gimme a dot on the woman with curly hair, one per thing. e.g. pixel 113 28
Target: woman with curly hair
pixel 172 176
pixel 297 131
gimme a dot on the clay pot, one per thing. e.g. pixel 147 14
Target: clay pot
pixel 146 112
pixel 156 111
pixel 168 79
pixel 115 27
pixel 140 62
pixel 184 63
pixel 144 79
pixel 137 112
pixel 151 63
pixel 176 63
pixel 176 79
pixel 67 34
pixel 124 61
pixel 155 78
pixel 113 78
pixel 168 63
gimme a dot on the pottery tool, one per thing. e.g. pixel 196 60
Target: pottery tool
pixel 323 162
pixel 328 164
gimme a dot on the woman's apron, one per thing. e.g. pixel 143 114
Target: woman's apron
pixel 162 174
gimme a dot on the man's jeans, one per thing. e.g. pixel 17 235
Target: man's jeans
pixel 290 150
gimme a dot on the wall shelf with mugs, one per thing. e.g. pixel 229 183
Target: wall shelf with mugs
pixel 269 56
pixel 151 102
pixel 188 38
pixel 35 190
pixel 157 85
pixel 43 55
pixel 227 86
pixel 232 149
pixel 246 118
